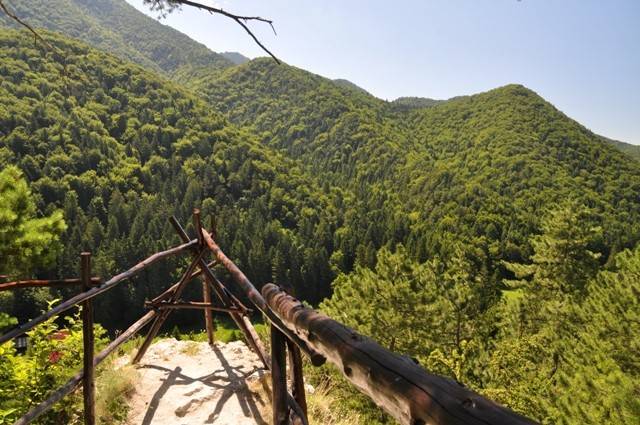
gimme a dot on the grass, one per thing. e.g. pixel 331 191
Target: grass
pixel 192 348
pixel 114 386
pixel 324 408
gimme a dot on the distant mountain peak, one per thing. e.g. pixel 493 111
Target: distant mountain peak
pixel 235 57
pixel 349 85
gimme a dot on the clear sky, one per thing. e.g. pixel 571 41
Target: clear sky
pixel 581 55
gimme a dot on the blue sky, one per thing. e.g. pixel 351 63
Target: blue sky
pixel 581 55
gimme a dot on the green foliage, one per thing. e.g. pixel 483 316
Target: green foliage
pixel 562 259
pixel 119 150
pixel 26 241
pixel 117 27
pixel 53 356
pixel 479 235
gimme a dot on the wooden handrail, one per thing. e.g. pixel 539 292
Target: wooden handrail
pixel 396 383
pixel 71 302
pixel 42 283
pixel 256 298
pixel 401 387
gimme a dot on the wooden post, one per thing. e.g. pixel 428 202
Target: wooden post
pixel 279 377
pixel 297 377
pixel 206 290
pixel 88 387
pixel 395 383
pixel 160 319
pixel 208 314
pixel 295 366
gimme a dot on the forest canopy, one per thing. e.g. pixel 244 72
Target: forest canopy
pixel 489 237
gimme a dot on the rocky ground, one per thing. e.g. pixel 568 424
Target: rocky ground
pixel 186 382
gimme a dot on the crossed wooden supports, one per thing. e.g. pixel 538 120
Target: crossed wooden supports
pixel 288 407
pixel 170 300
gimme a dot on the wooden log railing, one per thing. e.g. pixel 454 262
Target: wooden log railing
pixel 83 296
pixel 396 383
pixel 91 287
pixel 402 388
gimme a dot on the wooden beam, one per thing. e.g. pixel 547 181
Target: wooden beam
pixel 225 297
pixel 190 305
pixel 88 384
pixel 398 385
pixel 66 305
pixel 279 403
pixel 162 317
pixel 208 317
pixel 297 376
pixel 167 293
pixel 206 289
pixel 41 283
pixel 256 298
pixel 72 383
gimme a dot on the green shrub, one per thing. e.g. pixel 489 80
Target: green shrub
pixel 53 356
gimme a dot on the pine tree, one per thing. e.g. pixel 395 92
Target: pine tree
pixel 27 242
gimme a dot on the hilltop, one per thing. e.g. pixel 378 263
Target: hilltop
pixel 489 236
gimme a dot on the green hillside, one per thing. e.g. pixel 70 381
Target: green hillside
pixel 119 150
pixel 115 26
pixel 481 168
pixel 489 237
pixel 633 150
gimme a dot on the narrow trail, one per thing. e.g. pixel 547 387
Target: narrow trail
pixel 186 382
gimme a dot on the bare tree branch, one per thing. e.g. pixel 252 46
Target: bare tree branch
pixel 169 5
pixel 24 24
pixel 241 20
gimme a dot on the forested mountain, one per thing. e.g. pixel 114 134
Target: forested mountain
pixel 480 168
pixel 633 150
pixel 407 103
pixel 119 150
pixel 235 57
pixel 117 27
pixel 488 236
pixel 348 84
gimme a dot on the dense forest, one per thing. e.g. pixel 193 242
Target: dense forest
pixel 488 236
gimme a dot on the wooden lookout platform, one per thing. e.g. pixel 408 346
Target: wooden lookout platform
pixel 404 389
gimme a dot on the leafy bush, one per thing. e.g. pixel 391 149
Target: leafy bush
pixel 53 356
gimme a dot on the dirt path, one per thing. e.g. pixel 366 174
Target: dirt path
pixel 185 382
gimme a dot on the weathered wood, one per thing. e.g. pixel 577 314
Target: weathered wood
pixel 398 385
pixel 297 376
pixel 241 321
pixel 88 385
pixel 51 283
pixel 256 298
pixel 208 316
pixel 193 305
pixel 279 403
pixel 167 293
pixel 66 305
pixel 206 289
pixel 162 317
pixel 73 382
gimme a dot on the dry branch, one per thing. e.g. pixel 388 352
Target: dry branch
pixel 241 20
pixel 24 24
pixel 39 283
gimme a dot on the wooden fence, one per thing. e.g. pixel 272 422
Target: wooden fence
pixel 396 383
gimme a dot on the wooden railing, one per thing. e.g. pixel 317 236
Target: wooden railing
pixel 396 383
